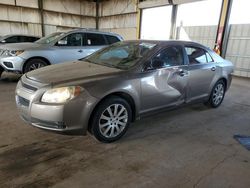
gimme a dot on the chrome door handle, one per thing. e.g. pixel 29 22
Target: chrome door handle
pixel 213 68
pixel 80 51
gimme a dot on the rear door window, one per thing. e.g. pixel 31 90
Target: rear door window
pixel 93 39
pixel 196 55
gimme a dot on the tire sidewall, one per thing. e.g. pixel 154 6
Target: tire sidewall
pixel 32 61
pixel 97 114
pixel 211 97
pixel 1 71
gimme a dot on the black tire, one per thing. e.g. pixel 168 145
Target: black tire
pixel 34 64
pixel 1 71
pixel 113 124
pixel 212 101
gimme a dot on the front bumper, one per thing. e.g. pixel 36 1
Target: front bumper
pixel 13 64
pixel 72 116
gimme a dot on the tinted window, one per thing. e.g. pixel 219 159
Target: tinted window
pixel 112 39
pixel 50 38
pixel 93 39
pixel 74 39
pixel 13 39
pixel 172 56
pixel 209 58
pixel 23 39
pixel 196 55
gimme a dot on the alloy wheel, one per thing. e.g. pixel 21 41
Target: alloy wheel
pixel 218 94
pixel 113 120
pixel 35 66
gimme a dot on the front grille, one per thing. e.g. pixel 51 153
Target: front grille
pixel 1 52
pixel 29 87
pixel 22 101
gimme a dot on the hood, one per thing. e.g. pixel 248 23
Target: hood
pixel 21 46
pixel 71 72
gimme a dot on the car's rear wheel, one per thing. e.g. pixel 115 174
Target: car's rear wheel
pixel 34 64
pixel 111 119
pixel 217 94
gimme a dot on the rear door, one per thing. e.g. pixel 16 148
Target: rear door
pixel 165 79
pixel 202 70
pixel 94 42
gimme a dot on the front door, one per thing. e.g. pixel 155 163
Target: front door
pixel 70 48
pixel 165 80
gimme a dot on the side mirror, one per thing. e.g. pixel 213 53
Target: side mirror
pixel 62 43
pixel 3 41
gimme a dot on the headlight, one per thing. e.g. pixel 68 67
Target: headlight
pixel 61 95
pixel 13 52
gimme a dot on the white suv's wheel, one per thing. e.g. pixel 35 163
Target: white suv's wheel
pixel 34 64
pixel 1 71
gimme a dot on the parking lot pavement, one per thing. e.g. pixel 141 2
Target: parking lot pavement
pixel 187 147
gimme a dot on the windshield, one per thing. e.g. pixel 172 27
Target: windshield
pixel 50 38
pixel 122 55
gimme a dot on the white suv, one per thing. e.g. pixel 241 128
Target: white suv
pixel 56 48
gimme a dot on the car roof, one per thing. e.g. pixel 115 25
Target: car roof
pixel 171 42
pixel 12 35
pixel 90 30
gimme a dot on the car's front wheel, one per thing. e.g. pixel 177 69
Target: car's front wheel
pixel 217 94
pixel 34 64
pixel 111 119
pixel 1 71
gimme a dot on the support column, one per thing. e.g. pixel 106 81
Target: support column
pixel 173 21
pixel 97 14
pixel 223 28
pixel 138 20
pixel 40 6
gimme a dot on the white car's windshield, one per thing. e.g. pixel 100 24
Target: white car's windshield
pixel 50 38
pixel 122 55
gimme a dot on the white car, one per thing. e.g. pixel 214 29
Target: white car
pixel 56 48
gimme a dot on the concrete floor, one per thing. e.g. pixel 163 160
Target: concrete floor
pixel 189 147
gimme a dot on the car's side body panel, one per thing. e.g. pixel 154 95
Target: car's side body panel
pixel 151 90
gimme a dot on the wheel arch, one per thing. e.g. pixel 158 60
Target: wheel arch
pixel 122 95
pixel 36 57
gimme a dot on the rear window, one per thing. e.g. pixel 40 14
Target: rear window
pixel 112 39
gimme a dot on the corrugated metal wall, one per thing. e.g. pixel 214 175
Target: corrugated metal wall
pixel 23 16
pixel 202 34
pixel 238 49
pixel 119 16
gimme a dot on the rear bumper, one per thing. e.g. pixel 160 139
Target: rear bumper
pixel 72 116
